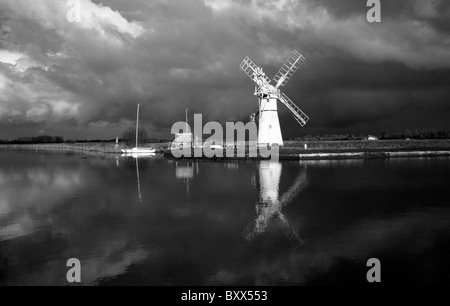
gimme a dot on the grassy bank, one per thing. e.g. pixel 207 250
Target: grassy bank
pixel 366 146
pixel 365 149
pixel 295 150
pixel 292 150
pixel 100 147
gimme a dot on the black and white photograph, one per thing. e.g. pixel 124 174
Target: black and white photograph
pixel 224 148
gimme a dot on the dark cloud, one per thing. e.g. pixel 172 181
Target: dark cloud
pixel 86 78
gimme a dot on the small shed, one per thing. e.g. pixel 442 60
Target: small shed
pixel 182 140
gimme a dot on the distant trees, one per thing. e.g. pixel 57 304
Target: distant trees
pixel 333 137
pixel 384 135
pixel 37 140
pixel 129 136
pixel 417 134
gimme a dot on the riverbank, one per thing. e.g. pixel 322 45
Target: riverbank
pixel 292 150
pixel 318 150
pixel 365 149
pixel 100 147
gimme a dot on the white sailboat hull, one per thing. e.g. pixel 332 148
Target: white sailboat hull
pixel 138 151
pixel 139 155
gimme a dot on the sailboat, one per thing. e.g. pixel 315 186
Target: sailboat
pixel 138 152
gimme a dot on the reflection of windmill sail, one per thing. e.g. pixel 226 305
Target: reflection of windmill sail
pixel 271 204
pixel 288 196
pixel 299 185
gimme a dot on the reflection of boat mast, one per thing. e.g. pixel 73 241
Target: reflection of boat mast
pixel 186 172
pixel 138 181
pixel 188 192
pixel 271 204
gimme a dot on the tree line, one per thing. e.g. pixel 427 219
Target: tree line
pixel 383 135
pixel 128 137
pixel 35 140
pixel 416 134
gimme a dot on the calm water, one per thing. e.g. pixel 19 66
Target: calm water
pixel 181 223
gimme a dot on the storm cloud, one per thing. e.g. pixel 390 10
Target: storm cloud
pixel 84 79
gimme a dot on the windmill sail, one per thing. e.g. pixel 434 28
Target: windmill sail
pixel 289 68
pixel 269 130
pixel 252 70
pixel 298 114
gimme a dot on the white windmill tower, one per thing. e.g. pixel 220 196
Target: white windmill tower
pixel 269 125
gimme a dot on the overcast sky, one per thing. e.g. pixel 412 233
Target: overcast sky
pixel 84 79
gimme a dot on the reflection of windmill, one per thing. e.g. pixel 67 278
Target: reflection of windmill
pixel 271 204
pixel 269 124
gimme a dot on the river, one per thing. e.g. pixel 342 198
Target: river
pixel 166 222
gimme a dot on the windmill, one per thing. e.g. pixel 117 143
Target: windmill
pixel 269 125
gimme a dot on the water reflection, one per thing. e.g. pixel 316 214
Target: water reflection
pixel 232 165
pixel 270 205
pixel 21 189
pixel 137 156
pixel 186 170
pixel 333 162
pixel 138 180
pixel 54 207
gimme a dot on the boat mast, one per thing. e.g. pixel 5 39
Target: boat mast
pixel 137 125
